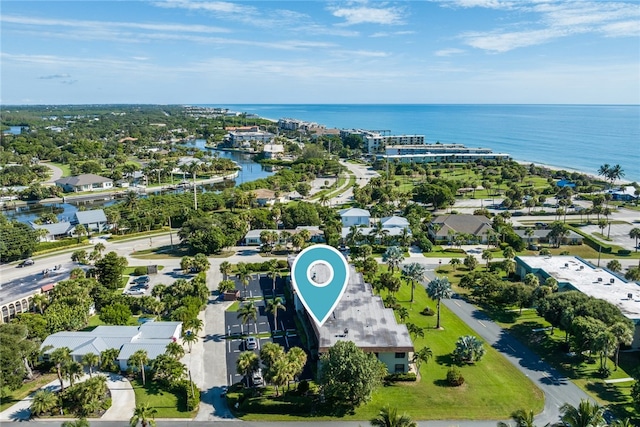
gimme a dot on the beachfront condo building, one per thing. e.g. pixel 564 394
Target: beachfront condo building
pixel 426 153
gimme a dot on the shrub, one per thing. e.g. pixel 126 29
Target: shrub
pixel 303 387
pixel 427 312
pixel 282 263
pixel 408 377
pixel 455 250
pixel 454 377
pixel 624 252
pixel 140 271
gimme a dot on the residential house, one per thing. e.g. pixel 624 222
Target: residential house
pixel 94 220
pixel 55 231
pixel 542 236
pixel 273 151
pixel 153 337
pixel 354 216
pixel 624 194
pixel 445 227
pixel 575 274
pixel 394 222
pixel 84 182
pixel 265 197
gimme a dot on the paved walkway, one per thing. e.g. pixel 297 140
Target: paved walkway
pixel 56 173
pixel 123 400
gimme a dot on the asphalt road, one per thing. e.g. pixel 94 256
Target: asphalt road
pixel 557 388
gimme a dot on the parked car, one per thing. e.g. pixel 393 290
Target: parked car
pixel 141 279
pixel 140 286
pixel 250 343
pixel 26 263
pixel 256 378
pixel 134 291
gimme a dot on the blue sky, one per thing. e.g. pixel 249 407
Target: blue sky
pixel 216 52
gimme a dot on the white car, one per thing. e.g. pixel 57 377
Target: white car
pixel 250 343
pixel 135 291
pixel 256 378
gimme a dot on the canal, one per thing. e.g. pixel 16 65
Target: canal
pixel 250 171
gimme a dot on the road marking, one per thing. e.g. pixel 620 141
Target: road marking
pixel 479 321
pixel 457 303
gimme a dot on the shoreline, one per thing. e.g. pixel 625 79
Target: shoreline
pixel 621 181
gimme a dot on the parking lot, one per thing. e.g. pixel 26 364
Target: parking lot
pixel 166 276
pixel 258 289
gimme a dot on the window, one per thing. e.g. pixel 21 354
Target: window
pixel 399 368
pixel 400 355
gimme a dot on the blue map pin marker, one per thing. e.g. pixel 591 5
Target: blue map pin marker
pixel 319 275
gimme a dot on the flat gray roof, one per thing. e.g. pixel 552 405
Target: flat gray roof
pixel 370 325
pixel 596 282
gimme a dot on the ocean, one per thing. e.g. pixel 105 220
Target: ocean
pixel 578 137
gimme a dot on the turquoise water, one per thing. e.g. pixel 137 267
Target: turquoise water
pixel 580 137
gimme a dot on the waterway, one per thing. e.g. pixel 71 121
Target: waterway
pixel 250 171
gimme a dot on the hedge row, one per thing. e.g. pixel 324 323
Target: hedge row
pixel 593 242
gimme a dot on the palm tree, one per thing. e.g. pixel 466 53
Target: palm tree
pixel 487 255
pixel 587 414
pixel 414 272
pixel 43 401
pixel 244 275
pixel 393 256
pixel 90 360
pixel 438 289
pixel 280 373
pixel 248 312
pixel 297 360
pixel 60 357
pixel 468 349
pixel 174 350
pixel 274 273
pixel 139 359
pixel 190 339
pixel 455 262
pixel 420 356
pixel 623 334
pixel 73 371
pixel 415 331
pixel 225 269
pixel 143 414
pixel 635 234
pixel 403 313
pixel 388 417
pixel 273 306
pixel 246 364
pixel 80 230
pixel 40 301
pixel 522 418
pixel 194 325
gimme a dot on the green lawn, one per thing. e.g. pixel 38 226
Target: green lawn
pixel 493 389
pixel 25 390
pixel 167 404
pixel 582 373
pixel 66 169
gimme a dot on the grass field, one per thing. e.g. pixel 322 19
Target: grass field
pixel 25 390
pixel 167 404
pixel 584 373
pixel 493 388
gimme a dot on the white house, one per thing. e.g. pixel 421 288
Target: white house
pixel 153 337
pixel 273 151
pixel 84 182
pixel 394 222
pixel 54 231
pixel 94 220
pixel 355 216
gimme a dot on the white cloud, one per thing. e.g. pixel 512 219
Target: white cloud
pixel 449 52
pixel 54 76
pixel 214 6
pixel 109 25
pixel 555 19
pixel 369 15
pixel 392 33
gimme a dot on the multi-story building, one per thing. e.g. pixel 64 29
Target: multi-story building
pixel 375 142
pixel 575 274
pixel 362 318
pixel 426 153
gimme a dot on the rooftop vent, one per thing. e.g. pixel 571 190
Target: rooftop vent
pixel 599 279
pixel 582 267
pixel 612 280
pixel 566 264
pixel 630 296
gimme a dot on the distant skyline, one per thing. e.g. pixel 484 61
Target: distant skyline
pixel 291 52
